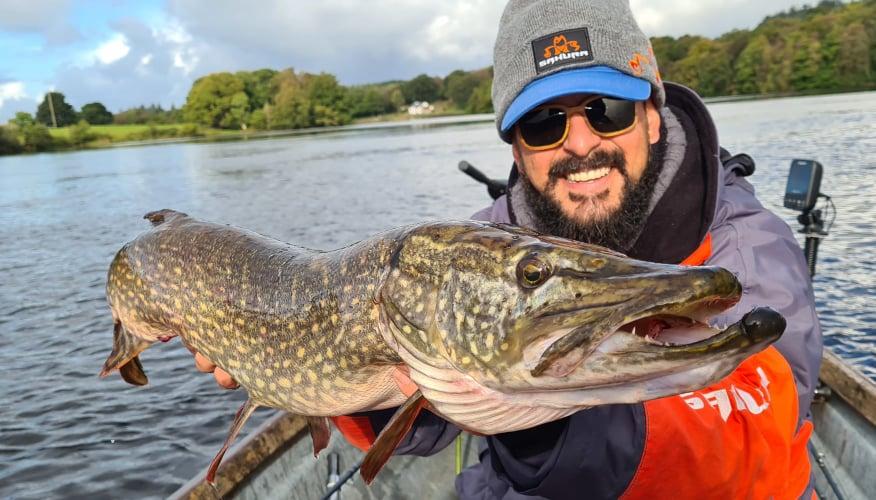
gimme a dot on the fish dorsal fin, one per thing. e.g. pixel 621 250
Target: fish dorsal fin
pixel 391 436
pixel 159 217
pixel 126 348
pixel 242 416
pixel 319 433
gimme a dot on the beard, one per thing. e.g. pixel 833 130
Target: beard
pixel 618 229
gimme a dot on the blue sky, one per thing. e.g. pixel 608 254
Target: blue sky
pixel 125 53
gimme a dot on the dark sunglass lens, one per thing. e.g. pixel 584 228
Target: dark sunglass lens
pixel 543 126
pixel 608 115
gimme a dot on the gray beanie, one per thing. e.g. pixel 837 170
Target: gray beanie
pixel 546 49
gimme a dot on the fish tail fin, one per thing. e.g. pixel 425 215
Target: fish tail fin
pixel 242 416
pixel 159 217
pixel 391 436
pixel 124 356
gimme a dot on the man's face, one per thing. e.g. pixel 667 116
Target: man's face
pixel 583 197
pixel 589 180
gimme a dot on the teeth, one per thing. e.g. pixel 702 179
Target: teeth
pixel 589 175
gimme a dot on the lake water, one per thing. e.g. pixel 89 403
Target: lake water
pixel 65 433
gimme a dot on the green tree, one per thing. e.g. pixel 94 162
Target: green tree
pixel 144 115
pixel 22 119
pixel 459 86
pixel 854 63
pixel 806 63
pixel 328 99
pixel 64 112
pixel 9 144
pixel 96 113
pixel 36 137
pixel 421 88
pixel 750 67
pixel 291 107
pixel 706 69
pixel 217 100
pixel 367 100
pixel 481 99
pixel 258 86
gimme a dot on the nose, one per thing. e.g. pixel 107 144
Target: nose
pixel 581 140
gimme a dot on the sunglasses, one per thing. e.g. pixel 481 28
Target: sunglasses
pixel 547 126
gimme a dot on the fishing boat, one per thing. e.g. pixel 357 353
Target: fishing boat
pixel 276 460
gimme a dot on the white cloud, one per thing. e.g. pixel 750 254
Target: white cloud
pixel 14 98
pixel 11 91
pixel 112 50
pixel 357 41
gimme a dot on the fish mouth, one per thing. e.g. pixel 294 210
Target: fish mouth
pixel 669 342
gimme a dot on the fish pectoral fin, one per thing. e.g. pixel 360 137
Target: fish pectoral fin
pixel 391 436
pixel 242 416
pixel 319 432
pixel 126 348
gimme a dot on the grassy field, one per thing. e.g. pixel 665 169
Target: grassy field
pixel 121 133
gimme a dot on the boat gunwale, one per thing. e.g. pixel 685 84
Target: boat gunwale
pixel 849 384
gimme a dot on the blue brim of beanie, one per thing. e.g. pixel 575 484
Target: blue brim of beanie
pixel 601 80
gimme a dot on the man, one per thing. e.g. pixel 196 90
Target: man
pixel 606 153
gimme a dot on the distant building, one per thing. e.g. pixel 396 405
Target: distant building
pixel 420 108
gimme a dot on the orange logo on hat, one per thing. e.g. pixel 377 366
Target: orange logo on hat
pixel 636 63
pixel 561 46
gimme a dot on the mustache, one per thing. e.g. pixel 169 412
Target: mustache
pixel 597 159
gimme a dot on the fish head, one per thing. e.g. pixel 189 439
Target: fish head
pixel 518 311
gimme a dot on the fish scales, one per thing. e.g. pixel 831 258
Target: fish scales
pixel 275 316
pixel 500 328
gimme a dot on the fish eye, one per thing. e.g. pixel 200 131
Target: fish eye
pixel 532 271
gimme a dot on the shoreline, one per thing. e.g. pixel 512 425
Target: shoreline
pixel 380 123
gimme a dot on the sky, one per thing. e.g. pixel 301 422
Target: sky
pixel 125 53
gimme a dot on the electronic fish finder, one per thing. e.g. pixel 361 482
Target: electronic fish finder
pixel 802 193
pixel 804 182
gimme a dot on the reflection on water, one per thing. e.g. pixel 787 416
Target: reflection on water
pixel 66 433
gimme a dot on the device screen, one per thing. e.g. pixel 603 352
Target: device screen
pixel 798 179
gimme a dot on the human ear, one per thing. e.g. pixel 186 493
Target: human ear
pixel 653 120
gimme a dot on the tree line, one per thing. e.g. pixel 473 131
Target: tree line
pixel 822 48
pixel 827 47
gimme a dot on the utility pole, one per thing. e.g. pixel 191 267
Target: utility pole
pixel 52 110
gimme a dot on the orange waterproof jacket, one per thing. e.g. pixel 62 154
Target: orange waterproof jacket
pixel 752 447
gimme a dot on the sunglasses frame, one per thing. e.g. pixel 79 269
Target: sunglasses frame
pixel 580 110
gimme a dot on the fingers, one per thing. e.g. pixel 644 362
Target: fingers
pixel 403 380
pixel 203 364
pixel 222 377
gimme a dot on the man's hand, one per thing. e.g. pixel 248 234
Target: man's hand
pixel 223 378
pixel 401 374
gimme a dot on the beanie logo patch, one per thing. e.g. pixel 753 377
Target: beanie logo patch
pixel 560 49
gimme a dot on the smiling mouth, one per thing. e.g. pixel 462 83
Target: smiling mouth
pixel 588 175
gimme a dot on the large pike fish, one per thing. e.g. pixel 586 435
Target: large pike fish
pixel 501 328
